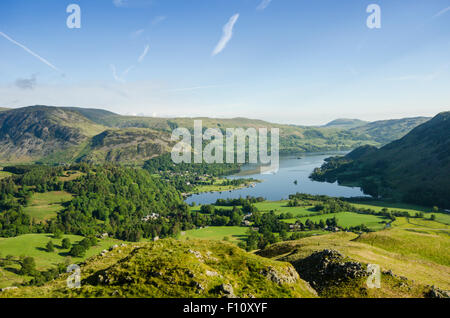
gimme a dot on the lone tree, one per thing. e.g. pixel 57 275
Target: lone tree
pixel 28 266
pixel 66 244
pixel 50 247
pixel 57 234
pixel 77 251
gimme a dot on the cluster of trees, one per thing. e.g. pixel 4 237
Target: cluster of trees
pixel 239 202
pixel 80 249
pixel 115 200
pixel 16 192
pixel 185 176
pixel 107 199
pixel 212 215
pixel 28 268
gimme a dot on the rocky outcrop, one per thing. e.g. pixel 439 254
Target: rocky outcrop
pixel 289 276
pixel 437 293
pixel 328 267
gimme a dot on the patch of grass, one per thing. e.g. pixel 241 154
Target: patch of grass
pixel 34 245
pixel 401 261
pixel 234 233
pixel 45 206
pixel 4 174
pixel 404 207
pixel 347 219
pixel 422 239
pixel 281 207
pixel 71 175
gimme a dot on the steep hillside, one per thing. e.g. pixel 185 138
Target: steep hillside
pixel 169 269
pixel 30 133
pixel 414 168
pixel 127 145
pixel 346 123
pixel 409 266
pixel 385 131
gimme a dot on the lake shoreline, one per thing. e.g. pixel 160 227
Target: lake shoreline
pixel 292 177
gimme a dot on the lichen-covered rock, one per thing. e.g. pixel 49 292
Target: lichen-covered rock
pixel 285 276
pixel 328 267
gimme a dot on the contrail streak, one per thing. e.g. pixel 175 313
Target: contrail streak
pixel 31 52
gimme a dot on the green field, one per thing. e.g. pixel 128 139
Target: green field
pixel 34 245
pixel 281 207
pixel 4 174
pixel 234 233
pixel 218 187
pixel 418 238
pixel 71 175
pixel 410 208
pixel 45 206
pixel 347 219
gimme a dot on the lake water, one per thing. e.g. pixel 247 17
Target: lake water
pixel 280 185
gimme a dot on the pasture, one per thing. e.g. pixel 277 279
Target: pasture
pixel 45 206
pixel 34 245
pixel 234 233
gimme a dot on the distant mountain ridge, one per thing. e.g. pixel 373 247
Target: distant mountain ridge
pixel 346 123
pixel 70 134
pixel 415 168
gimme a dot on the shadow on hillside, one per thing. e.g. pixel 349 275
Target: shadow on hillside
pixel 12 270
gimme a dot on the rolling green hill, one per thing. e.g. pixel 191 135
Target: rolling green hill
pixel 346 123
pixel 28 134
pixel 385 131
pixel 412 256
pixel 176 269
pixel 70 134
pixel 414 168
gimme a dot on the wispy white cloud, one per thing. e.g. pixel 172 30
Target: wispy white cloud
pixel 227 34
pixel 144 54
pixel 158 19
pixel 120 78
pixel 120 3
pixel 132 3
pixel 264 4
pixel 30 52
pixel 128 70
pixel 442 12
pixel 137 33
pixel 114 72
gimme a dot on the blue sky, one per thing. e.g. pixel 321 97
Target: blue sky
pixel 289 61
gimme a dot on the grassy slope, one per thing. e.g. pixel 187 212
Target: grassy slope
pixel 421 268
pixel 348 219
pixel 45 206
pixel 34 245
pixel 235 233
pixel 171 268
pixel 5 174
pixel 281 207
pixel 420 239
pixel 410 208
